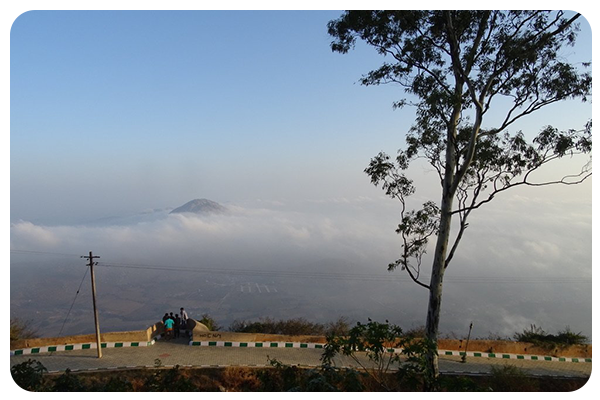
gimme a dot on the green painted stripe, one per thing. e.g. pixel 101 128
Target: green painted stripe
pixel 212 343
pixel 588 360
pixel 118 344
pixel 86 346
pixel 548 358
pixel 575 360
pixel 35 351
pixel 195 343
pixel 135 344
pixel 258 345
pixel 448 353
pixel 52 348
pixel 505 355
pixel 491 355
pixel 102 345
pixel 303 345
pixel 562 359
pixel 519 357
pixel 318 346
pixel 228 344
pixel 534 357
pixel 69 347
pixel 477 354
pixel 18 352
pixel 274 345
pixel 243 344
pixel 289 345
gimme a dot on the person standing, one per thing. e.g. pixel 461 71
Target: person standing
pixel 169 328
pixel 183 313
pixel 184 318
pixel 177 325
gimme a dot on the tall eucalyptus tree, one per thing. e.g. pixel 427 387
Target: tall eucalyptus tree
pixel 458 65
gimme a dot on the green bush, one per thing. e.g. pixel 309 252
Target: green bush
pixel 537 336
pixel 293 326
pixel 29 374
pixel 509 378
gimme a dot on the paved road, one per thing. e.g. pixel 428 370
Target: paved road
pixel 180 353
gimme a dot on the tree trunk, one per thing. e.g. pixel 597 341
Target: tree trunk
pixel 449 186
pixel 441 248
pixel 436 283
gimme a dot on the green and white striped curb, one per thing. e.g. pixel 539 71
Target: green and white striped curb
pixel 260 344
pixel 297 345
pixel 77 346
pixel 391 350
pixel 513 356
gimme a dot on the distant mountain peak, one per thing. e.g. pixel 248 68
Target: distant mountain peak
pixel 200 206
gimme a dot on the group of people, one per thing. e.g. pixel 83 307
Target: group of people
pixel 175 324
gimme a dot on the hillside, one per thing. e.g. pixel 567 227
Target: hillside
pixel 200 206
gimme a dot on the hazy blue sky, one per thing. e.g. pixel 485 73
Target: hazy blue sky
pixel 114 113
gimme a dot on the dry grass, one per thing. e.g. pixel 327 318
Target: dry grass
pixel 243 379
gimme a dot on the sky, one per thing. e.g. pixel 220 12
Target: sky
pixel 127 114
pixel 155 109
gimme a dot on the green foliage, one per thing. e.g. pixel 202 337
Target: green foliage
pixel 515 54
pixel 537 336
pixel 378 341
pixel 29 374
pixel 210 323
pixel 374 338
pixel 294 326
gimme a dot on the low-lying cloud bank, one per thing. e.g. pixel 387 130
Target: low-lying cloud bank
pixel 523 242
pixel 513 236
pixel 242 234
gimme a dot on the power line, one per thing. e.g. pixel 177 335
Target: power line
pixel 344 275
pixel 17 251
pixel 73 303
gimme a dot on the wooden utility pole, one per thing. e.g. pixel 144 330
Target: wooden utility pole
pixel 91 265
pixel 464 356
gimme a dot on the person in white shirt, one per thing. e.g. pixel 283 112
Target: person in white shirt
pixel 184 317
